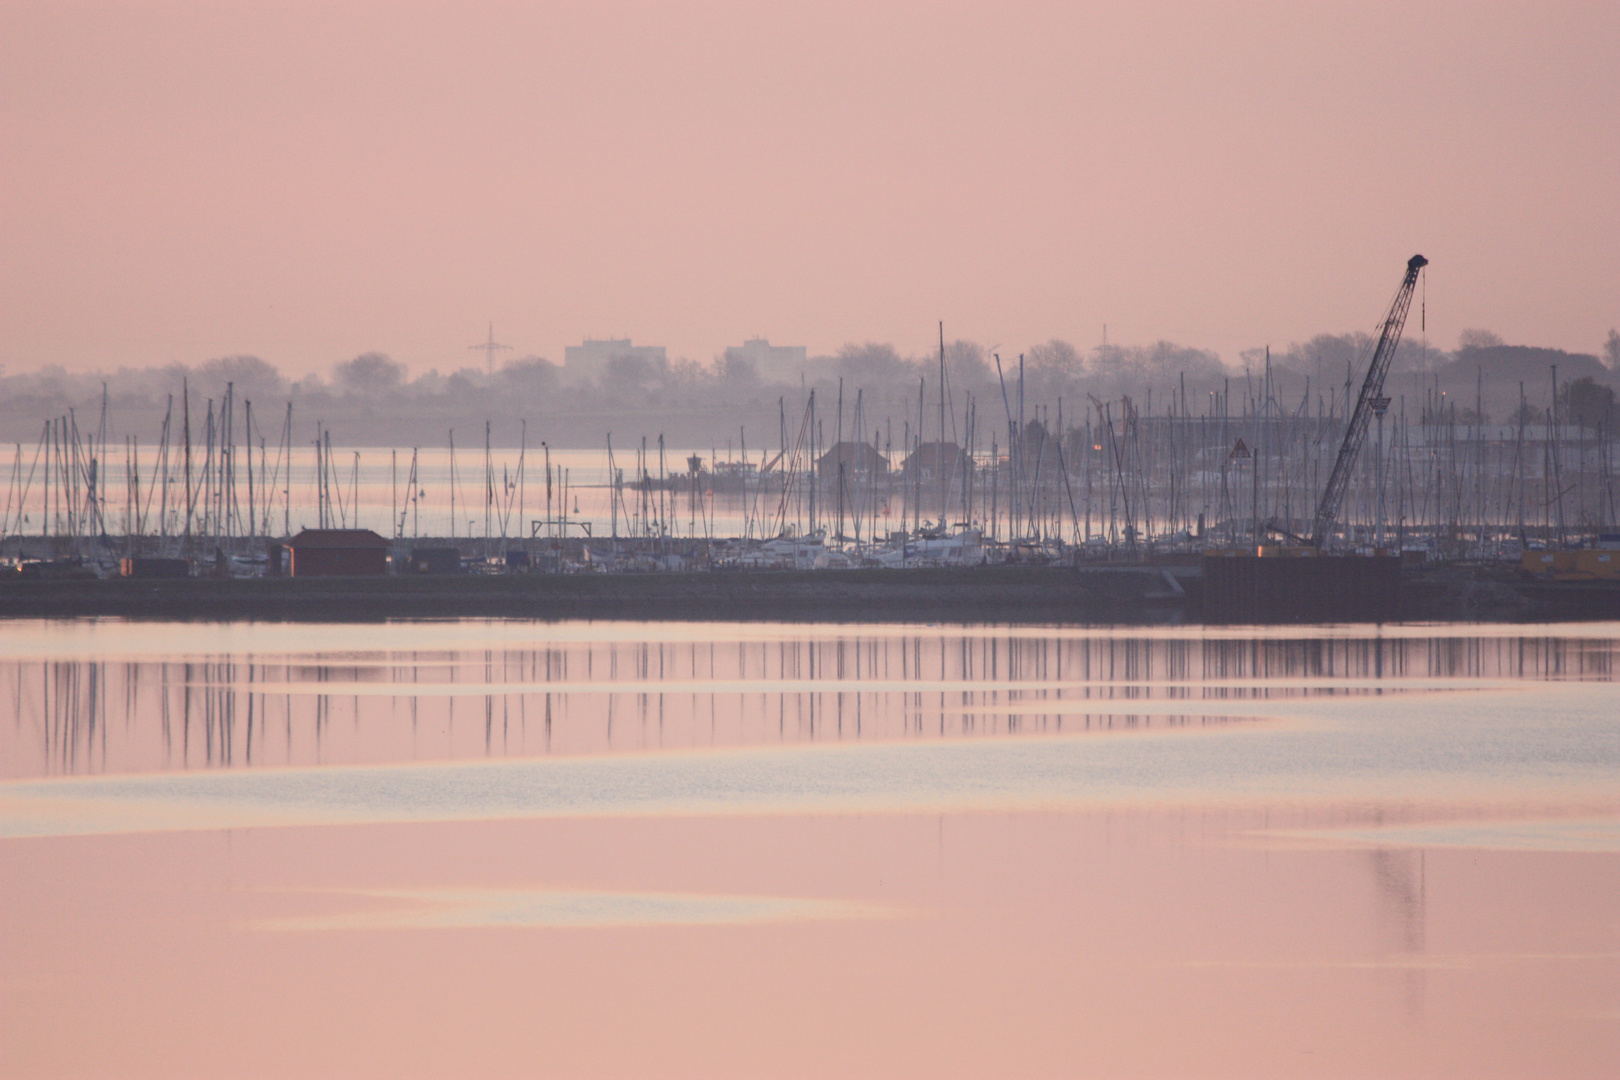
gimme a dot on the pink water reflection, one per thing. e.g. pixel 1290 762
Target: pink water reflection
pixel 1314 853
pixel 1060 944
pixel 111 696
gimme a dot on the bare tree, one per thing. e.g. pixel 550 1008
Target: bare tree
pixel 1472 339
pixel 369 373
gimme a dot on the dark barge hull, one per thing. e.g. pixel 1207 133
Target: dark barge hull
pixel 1318 588
pixel 1574 599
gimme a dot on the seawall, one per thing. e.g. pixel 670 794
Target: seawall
pixel 1091 594
pixel 1001 594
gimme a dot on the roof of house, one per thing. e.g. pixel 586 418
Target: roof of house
pixel 337 538
pixel 860 452
pixel 934 453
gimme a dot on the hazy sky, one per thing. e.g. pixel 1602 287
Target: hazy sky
pixel 307 181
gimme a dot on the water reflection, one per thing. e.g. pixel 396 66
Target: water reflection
pixel 418 909
pixel 561 690
pixel 1403 901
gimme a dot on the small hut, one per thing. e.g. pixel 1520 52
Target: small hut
pixel 858 459
pixel 935 460
pixel 337 553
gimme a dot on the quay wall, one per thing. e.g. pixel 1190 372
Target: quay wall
pixel 998 594
pixel 1093 594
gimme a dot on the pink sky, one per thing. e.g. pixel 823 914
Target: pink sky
pixel 306 182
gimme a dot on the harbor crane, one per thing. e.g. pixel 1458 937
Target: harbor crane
pixel 1370 401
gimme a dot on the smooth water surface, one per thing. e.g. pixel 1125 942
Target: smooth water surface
pixel 506 848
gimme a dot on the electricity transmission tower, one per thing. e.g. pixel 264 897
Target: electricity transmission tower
pixel 488 348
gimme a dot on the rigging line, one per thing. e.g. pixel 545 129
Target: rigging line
pixel 22 501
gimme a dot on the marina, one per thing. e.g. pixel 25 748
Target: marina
pixel 1316 543
pixel 1450 490
pixel 807 541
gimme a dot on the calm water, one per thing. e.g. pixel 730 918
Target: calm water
pixel 502 848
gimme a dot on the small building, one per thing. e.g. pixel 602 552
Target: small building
pixel 337 553
pixel 937 460
pixel 858 460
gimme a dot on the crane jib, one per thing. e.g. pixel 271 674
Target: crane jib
pixel 1372 390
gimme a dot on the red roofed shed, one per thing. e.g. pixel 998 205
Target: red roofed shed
pixel 337 553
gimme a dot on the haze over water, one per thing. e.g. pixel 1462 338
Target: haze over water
pixel 447 849
pixel 623 849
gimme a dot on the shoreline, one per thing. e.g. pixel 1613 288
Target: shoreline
pixel 1023 594
pixel 1116 595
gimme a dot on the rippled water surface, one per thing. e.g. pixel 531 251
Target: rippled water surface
pixel 510 848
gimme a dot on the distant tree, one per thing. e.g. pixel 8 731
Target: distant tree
pixel 310 386
pixel 873 363
pixel 369 373
pixel 1157 368
pixel 1527 414
pixel 429 383
pixel 738 372
pixel 1164 362
pixel 1470 340
pixel 1611 350
pixel 967 364
pixel 529 378
pixel 463 389
pixel 251 377
pixel 686 374
pixel 1110 363
pixel 1584 402
pixel 638 372
pixel 1415 356
pixel 1326 357
pixel 1055 358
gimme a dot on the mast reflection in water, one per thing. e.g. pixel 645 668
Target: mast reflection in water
pixel 370 697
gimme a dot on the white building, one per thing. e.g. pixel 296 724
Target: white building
pixel 590 360
pixel 774 363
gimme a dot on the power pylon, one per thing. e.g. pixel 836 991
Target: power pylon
pixel 489 348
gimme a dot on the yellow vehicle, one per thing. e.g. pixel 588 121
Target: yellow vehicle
pixel 1587 565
